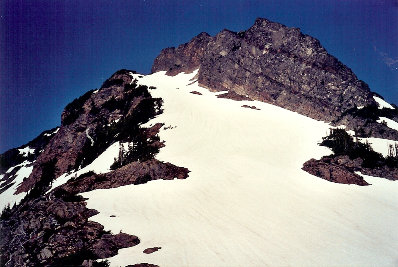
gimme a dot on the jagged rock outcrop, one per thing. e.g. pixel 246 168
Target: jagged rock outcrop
pixel 84 123
pixel 133 173
pixel 342 169
pixel 56 232
pixel 186 57
pixel 338 170
pixel 52 228
pixel 272 63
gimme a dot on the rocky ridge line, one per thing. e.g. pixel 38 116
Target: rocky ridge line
pixel 53 228
pixel 276 64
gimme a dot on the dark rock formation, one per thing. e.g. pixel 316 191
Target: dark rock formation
pixel 56 232
pixel 53 229
pixel 196 93
pixel 86 120
pixel 337 170
pixel 251 107
pixel 187 57
pixel 234 96
pixel 341 169
pixel 272 63
pixel 383 172
pixel 151 250
pixel 133 173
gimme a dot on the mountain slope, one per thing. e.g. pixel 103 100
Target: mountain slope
pixel 246 202
pixel 207 162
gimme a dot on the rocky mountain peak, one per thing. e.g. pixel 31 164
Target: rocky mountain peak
pixel 273 63
pixel 185 57
pixel 110 137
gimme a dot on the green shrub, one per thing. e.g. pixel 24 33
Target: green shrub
pixel 342 143
pixel 372 112
pixel 127 129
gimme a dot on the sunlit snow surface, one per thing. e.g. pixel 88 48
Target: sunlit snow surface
pixel 382 103
pixel 246 201
pixel 379 145
pixel 8 197
pixel 26 151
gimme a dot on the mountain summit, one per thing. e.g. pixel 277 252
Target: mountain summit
pixel 272 63
pixel 214 159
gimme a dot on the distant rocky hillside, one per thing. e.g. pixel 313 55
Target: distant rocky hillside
pixel 28 152
pixel 279 65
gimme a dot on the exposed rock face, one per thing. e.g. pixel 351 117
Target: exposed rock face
pixel 55 232
pixel 53 228
pixel 337 170
pixel 133 173
pixel 272 63
pixel 83 123
pixel 383 172
pixel 151 250
pixel 341 169
pixel 187 57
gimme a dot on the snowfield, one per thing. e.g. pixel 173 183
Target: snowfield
pixel 246 201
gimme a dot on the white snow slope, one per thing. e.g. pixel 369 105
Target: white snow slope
pixel 246 201
pixel 382 103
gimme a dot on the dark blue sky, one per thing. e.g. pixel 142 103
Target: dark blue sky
pixel 53 51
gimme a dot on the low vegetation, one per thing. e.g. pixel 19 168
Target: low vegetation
pixel 127 129
pixel 372 112
pixel 342 143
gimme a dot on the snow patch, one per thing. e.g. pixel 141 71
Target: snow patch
pixel 222 92
pixel 382 103
pixel 8 197
pixel 100 165
pixel 50 134
pixel 390 123
pixel 26 151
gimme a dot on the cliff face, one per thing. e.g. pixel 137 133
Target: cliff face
pixel 83 125
pixel 272 63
